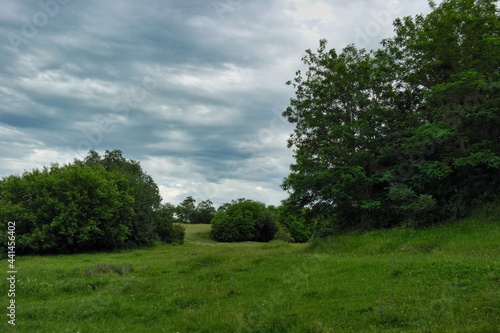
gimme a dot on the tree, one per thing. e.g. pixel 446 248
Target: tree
pixel 67 209
pixel 96 204
pixel 167 211
pixel 168 231
pixel 244 220
pixel 457 69
pixel 146 194
pixel 343 119
pixel 204 212
pixel 186 210
pixel 407 134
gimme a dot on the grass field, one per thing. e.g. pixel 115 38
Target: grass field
pixel 440 279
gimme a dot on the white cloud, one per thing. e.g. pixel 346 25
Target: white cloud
pixel 306 10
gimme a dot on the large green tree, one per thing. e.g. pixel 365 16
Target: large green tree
pixel 405 134
pixel 64 209
pixel 99 203
pixel 146 194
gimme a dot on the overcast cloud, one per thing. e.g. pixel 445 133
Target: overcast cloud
pixel 194 90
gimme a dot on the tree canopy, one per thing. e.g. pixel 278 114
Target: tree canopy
pixel 243 220
pixel 188 212
pixel 100 203
pixel 143 188
pixel 406 134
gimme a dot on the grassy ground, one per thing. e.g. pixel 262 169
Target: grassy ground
pixel 441 279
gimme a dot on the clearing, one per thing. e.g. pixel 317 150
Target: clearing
pixel 438 279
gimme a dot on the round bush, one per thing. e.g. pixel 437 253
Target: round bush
pixel 244 220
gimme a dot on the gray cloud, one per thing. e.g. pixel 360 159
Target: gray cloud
pixel 192 89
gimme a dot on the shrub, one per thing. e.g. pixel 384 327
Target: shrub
pixel 168 231
pixel 283 234
pixel 295 221
pixel 96 204
pixel 178 232
pixel 244 220
pixel 66 209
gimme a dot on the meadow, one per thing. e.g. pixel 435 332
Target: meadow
pixel 440 279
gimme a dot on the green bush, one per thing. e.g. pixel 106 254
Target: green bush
pixel 66 209
pixel 179 233
pixel 96 204
pixel 168 232
pixel 283 234
pixel 244 220
pixel 295 222
pixel 324 226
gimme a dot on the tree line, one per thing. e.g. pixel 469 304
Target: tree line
pixel 189 212
pixel 108 202
pixel 243 220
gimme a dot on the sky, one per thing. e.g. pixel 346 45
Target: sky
pixel 193 90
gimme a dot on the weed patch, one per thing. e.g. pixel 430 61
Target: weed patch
pixel 103 269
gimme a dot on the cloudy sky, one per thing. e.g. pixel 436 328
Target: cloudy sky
pixel 194 90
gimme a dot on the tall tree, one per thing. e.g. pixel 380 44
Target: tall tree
pixel 204 212
pixel 452 59
pixel 186 210
pixel 146 194
pixel 377 131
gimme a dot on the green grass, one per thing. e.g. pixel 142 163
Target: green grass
pixel 440 279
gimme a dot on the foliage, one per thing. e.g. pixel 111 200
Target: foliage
pixel 244 220
pixel 146 194
pixel 296 223
pixel 204 212
pixel 69 208
pixel 188 212
pixel 404 135
pixel 166 211
pixel 283 234
pixel 178 234
pixel 169 232
pixel 90 205
pixel 185 210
